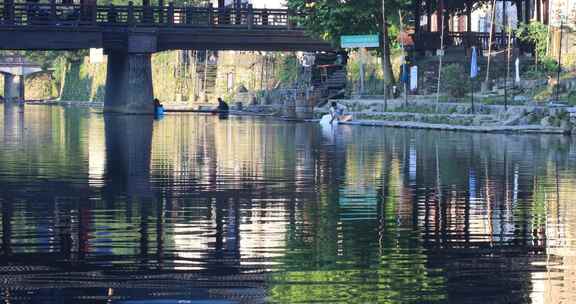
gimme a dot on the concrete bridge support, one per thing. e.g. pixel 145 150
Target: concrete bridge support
pixel 129 87
pixel 129 84
pixel 13 87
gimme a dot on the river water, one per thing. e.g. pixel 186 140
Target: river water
pixel 201 209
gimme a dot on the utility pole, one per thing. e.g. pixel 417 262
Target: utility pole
pixel 559 59
pixel 384 53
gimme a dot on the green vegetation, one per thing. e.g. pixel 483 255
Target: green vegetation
pixel 453 82
pixel 288 69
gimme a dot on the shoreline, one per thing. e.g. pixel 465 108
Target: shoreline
pixel 508 129
pixel 525 129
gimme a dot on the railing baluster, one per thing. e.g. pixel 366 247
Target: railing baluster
pixel 130 13
pixel 93 14
pixel 161 11
pixel 111 14
pixel 250 16
pixel 210 14
pixel 289 19
pixel 170 13
pixel 264 17
pixel 53 10
pixel 9 7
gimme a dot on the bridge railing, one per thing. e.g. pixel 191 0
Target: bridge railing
pixel 53 14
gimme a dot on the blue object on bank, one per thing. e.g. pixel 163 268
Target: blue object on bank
pixel 474 64
pixel 159 111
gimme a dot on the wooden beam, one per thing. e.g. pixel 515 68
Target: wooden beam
pixel 504 15
pixel 538 11
pixel 527 11
pixel 439 15
pixel 545 11
pixel 417 6
pixel 429 15
pixel 469 5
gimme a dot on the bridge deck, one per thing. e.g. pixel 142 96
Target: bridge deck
pixel 61 27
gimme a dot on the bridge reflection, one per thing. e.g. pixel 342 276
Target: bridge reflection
pixel 262 205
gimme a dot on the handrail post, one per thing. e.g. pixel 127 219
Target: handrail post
pixel 238 13
pixel 94 14
pixel 250 16
pixel 53 10
pixel 264 17
pixel 210 14
pixel 111 18
pixel 289 19
pixel 130 13
pixel 161 11
pixel 170 13
pixel 9 11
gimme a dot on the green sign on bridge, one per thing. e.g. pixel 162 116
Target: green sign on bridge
pixel 360 41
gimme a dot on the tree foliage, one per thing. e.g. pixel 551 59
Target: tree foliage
pixel 329 19
pixel 536 34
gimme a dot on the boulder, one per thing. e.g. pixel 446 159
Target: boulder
pixel 514 120
pixel 546 122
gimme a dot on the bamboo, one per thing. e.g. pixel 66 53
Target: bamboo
pixel 507 68
pixel 441 58
pixel 490 41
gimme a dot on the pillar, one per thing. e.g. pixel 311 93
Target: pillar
pixel 545 11
pixel 8 90
pixel 129 87
pixel 504 16
pixel 429 16
pixel 469 5
pixel 417 6
pixel 527 11
pixel 538 10
pixel 13 87
pixel 440 15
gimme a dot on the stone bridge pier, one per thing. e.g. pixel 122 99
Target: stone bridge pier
pixel 13 87
pixel 129 87
pixel 15 70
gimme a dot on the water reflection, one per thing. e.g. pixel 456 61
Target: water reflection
pixel 249 210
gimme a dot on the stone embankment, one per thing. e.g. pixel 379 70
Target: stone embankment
pixel 549 119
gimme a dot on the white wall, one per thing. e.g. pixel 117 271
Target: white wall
pixel 481 18
pixel 259 3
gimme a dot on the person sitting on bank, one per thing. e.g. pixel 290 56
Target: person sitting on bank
pixel 337 112
pixel 157 103
pixel 222 106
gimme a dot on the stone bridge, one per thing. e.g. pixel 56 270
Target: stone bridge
pixel 14 70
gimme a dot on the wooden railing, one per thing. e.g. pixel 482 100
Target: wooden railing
pixel 53 14
pixel 431 40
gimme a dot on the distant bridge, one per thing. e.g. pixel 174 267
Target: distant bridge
pixel 130 34
pixel 15 69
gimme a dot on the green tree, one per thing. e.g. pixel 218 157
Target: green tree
pixel 330 19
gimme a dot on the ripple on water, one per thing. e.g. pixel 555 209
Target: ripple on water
pixel 243 210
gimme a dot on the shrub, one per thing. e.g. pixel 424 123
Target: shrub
pixel 455 81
